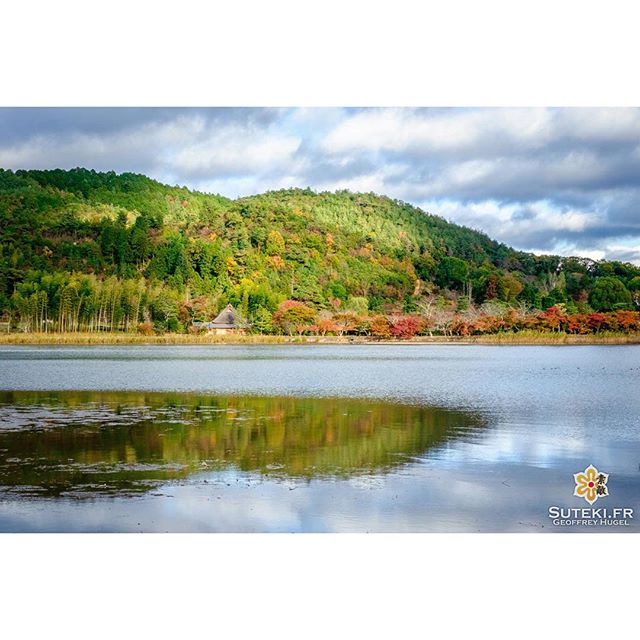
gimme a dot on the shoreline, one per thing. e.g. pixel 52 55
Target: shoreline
pixel 523 338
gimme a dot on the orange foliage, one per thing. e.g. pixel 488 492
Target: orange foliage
pixel 380 327
pixel 553 319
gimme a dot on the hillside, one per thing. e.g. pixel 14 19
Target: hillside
pixel 96 251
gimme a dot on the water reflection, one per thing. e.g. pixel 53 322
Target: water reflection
pixel 88 443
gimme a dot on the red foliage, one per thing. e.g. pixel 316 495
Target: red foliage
pixel 627 320
pixel 554 319
pixel 492 288
pixel 596 321
pixel 406 327
pixel 324 327
pixel 460 327
pixel 293 315
pixel 577 323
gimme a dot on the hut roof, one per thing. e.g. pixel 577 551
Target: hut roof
pixel 226 319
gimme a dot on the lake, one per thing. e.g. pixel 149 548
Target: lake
pixel 314 438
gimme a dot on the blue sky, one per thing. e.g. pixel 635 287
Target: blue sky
pixel 546 180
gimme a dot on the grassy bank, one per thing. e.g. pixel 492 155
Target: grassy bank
pixel 133 338
pixel 522 338
pixel 547 337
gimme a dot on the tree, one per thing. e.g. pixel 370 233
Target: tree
pixel 275 243
pixel 346 322
pixel 554 318
pixel 425 266
pixel 634 290
pixel 491 291
pixel 325 326
pixel 406 327
pixel 531 296
pixel 556 296
pixel 452 272
pixel 608 294
pixel 262 321
pixel 512 287
pixel 293 316
pixel 380 327
pixel 88 251
pixel 139 241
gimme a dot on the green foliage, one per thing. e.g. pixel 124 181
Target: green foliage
pixel 634 290
pixel 555 296
pixel 275 243
pixel 262 321
pixel 358 304
pixel 78 248
pixel 452 272
pixel 608 294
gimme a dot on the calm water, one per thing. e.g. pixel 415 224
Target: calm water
pixel 313 438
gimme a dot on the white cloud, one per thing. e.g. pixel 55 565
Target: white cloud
pixel 235 151
pixel 502 129
pixel 547 179
pixel 540 228
pixel 423 131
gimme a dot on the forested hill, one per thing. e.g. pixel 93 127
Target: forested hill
pixel 73 241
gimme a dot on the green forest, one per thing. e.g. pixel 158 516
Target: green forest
pixel 87 251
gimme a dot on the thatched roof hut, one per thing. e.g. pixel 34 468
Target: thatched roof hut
pixel 227 320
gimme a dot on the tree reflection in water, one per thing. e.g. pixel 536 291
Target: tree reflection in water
pixel 87 443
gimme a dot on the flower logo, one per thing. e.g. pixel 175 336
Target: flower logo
pixel 591 484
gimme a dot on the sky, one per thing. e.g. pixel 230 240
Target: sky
pixel 547 180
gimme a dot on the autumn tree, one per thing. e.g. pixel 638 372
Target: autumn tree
pixel 293 317
pixel 380 327
pixel 275 243
pixel 406 327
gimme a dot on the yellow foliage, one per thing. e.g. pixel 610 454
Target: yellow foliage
pixel 246 283
pixel 232 265
pixel 276 262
